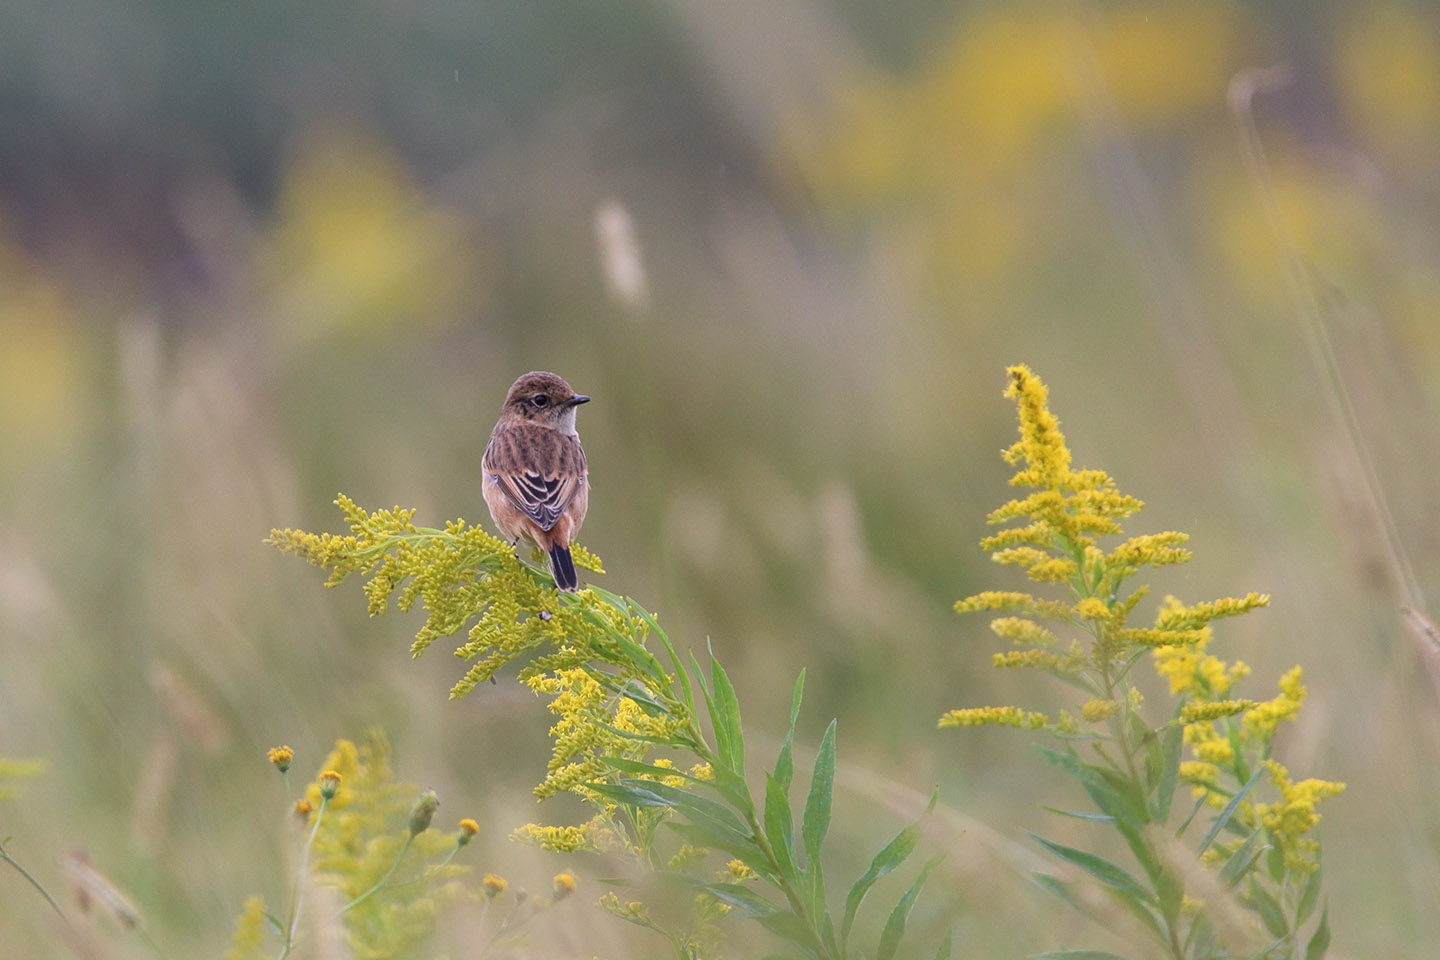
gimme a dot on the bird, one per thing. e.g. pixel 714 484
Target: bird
pixel 537 483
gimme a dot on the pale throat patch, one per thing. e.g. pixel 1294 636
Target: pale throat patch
pixel 567 422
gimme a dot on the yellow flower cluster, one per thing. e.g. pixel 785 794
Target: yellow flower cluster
pixel 1293 816
pixel 998 716
pixel 590 716
pixel 1263 718
pixel 1193 672
pixel 594 836
pixel 368 818
pixel 460 576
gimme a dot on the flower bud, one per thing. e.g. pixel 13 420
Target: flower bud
pixel 423 812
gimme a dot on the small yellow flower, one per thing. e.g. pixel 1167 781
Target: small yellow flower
pixel 563 885
pixel 329 784
pixel 1095 711
pixel 1092 608
pixel 468 829
pixel 494 885
pixel 303 809
pixel 281 757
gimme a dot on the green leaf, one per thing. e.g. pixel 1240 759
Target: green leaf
pixel 742 848
pixel 1169 774
pixel 1170 894
pixel 1057 886
pixel 779 828
pixel 725 717
pixel 795 697
pixel 895 923
pixel 625 765
pixel 816 820
pixel 1275 864
pixel 720 827
pixel 642 659
pixel 1199 802
pixel 890 856
pixel 1310 897
pixel 944 952
pixel 1113 796
pixel 1100 868
pixel 785 763
pixel 1240 861
pixel 1229 811
pixel 1143 854
pixel 692 805
pixel 681 673
pixel 746 902
pixel 1269 910
pixel 790 927
pixel 1146 739
pixel 1320 940
pixel 1080 814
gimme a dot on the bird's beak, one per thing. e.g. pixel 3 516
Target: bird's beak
pixel 576 400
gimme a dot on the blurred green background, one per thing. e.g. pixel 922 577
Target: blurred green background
pixel 253 254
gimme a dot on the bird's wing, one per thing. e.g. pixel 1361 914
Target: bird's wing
pixel 539 470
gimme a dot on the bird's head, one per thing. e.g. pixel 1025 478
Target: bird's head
pixel 544 398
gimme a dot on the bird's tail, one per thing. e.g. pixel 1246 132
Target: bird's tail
pixel 563 568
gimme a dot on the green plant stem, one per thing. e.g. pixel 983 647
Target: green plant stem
pixel 426 875
pixel 5 855
pixel 404 848
pixel 296 899
pixel 1120 723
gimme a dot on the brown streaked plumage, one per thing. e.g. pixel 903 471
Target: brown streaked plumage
pixel 536 482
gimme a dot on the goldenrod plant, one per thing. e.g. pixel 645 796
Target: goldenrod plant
pixel 668 796
pixel 367 840
pixel 1238 873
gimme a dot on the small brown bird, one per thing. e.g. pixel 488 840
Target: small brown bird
pixel 536 483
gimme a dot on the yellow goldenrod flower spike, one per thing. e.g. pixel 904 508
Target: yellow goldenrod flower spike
pixel 998 716
pixel 1041 444
pixel 1197 712
pixel 1094 711
pixel 281 757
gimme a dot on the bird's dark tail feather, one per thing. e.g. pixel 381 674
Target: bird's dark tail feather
pixel 563 568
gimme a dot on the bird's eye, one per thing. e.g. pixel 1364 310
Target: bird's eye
pixel 539 399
